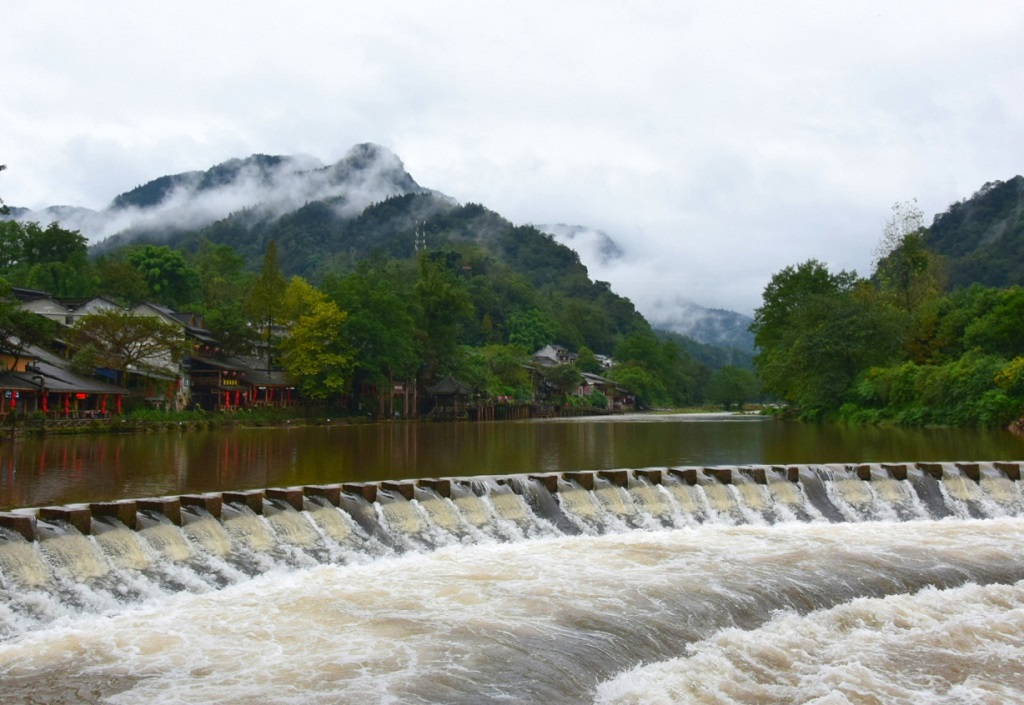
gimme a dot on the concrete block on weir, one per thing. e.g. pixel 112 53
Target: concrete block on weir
pixel 897 471
pixel 758 475
pixel 212 503
pixel 971 470
pixel 169 507
pixel 791 473
pixel 616 477
pixel 78 517
pixel 652 476
pixel 723 475
pixel 253 499
pixel 1011 470
pixel 366 490
pixel 406 489
pixel 583 479
pixel 550 482
pixel 123 511
pixel 24 524
pixel 291 495
pixel 688 475
pixel 933 469
pixel 332 493
pixel 442 486
pixel 863 471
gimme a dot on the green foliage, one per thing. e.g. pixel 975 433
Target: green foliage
pixel 124 341
pixel 315 353
pixel 733 386
pixel 20 328
pixel 816 331
pixel 531 329
pixel 51 259
pixel 981 239
pixel 169 277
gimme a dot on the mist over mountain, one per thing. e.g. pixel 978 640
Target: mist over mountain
pixel 322 216
pixel 593 246
pixel 270 186
pixel 981 238
pixel 706 325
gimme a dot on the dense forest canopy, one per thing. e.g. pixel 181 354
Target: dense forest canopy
pixel 924 340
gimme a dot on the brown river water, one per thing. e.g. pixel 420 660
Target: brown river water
pixel 823 588
pixel 67 469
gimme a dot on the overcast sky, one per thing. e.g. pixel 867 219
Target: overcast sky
pixel 716 142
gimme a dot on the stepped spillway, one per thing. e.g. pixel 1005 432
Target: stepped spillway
pixel 95 556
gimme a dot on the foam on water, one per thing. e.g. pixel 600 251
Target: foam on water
pixel 961 645
pixel 546 620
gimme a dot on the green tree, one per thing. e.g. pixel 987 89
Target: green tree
pixel 444 309
pixel 531 329
pixel 731 385
pixel 170 278
pixel 126 342
pixel 118 279
pixel 314 353
pixel 224 286
pixel 904 269
pixel 1000 329
pixel 265 299
pixel 12 244
pixel 381 323
pixel 816 331
pixel 20 328
pixel 51 259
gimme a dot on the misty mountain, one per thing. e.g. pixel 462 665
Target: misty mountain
pixel 592 245
pixel 981 238
pixel 264 186
pixel 324 218
pixel 710 326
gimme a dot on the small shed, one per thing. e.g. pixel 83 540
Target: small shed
pixel 451 399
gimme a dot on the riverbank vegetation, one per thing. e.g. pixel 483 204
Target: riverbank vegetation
pixel 475 304
pixel 896 347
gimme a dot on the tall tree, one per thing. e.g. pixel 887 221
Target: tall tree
pixel 171 280
pixel 816 331
pixel 904 269
pixel 265 299
pixel 444 308
pixel 381 323
pixel 125 341
pixel 314 352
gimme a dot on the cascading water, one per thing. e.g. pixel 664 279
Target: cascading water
pixel 692 585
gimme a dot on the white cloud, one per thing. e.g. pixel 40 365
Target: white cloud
pixel 716 142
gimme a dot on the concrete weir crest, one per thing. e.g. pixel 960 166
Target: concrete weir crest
pixel 127 511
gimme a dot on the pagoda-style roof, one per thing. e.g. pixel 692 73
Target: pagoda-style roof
pixel 450 387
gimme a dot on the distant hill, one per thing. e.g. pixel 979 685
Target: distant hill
pixel 325 218
pixel 982 238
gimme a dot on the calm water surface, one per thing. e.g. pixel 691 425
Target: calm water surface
pixel 56 470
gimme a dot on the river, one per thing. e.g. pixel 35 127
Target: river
pixel 811 586
pixel 63 469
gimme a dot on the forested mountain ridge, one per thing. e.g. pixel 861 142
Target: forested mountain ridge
pixel 982 238
pixel 416 285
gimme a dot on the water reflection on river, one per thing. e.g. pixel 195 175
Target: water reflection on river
pixel 56 470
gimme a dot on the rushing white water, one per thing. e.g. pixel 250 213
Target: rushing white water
pixel 751 595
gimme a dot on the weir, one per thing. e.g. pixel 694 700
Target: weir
pixel 91 555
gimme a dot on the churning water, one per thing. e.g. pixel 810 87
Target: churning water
pixel 831 589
